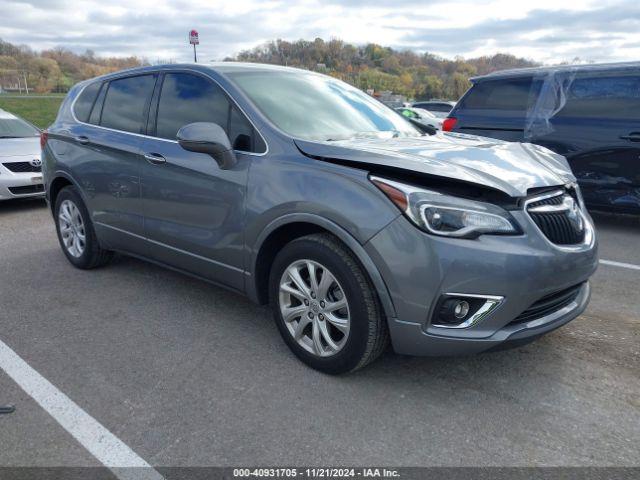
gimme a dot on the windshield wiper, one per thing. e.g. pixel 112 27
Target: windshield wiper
pixel 10 136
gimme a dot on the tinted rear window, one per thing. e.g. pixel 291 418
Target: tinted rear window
pixel 434 107
pixel 126 102
pixel 82 107
pixel 603 97
pixel 508 94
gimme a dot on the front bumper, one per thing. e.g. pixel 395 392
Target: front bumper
pixel 419 268
pixel 20 185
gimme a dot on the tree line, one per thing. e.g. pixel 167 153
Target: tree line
pixel 55 70
pixel 415 75
pixel 371 66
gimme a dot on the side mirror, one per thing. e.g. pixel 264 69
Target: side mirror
pixel 209 138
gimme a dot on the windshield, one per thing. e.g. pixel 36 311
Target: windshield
pixel 316 107
pixel 11 127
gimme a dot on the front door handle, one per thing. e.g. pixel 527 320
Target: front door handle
pixel 155 158
pixel 82 139
pixel 632 137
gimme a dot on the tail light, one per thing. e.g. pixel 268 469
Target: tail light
pixel 449 123
pixel 44 136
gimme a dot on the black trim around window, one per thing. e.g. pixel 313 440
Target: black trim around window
pixel 149 123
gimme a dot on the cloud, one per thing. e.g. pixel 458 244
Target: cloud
pixel 157 29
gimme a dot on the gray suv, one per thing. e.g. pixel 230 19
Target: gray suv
pixel 303 192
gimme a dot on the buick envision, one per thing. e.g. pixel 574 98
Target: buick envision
pixel 355 226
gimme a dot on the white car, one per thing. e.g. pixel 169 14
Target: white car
pixel 20 163
pixel 421 116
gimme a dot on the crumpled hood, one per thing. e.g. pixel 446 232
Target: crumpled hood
pixel 510 167
pixel 16 147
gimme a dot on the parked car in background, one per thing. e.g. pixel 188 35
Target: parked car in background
pixel 420 117
pixel 20 164
pixel 355 226
pixel 588 113
pixel 440 108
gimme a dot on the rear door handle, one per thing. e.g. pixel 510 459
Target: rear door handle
pixel 632 137
pixel 82 140
pixel 155 158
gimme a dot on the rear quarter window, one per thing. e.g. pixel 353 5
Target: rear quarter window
pixel 84 103
pixel 515 94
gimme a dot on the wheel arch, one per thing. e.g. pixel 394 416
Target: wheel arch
pixel 284 229
pixel 60 181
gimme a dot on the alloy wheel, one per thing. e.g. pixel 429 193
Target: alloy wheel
pixel 314 308
pixel 72 229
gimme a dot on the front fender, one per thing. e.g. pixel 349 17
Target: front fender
pixel 339 232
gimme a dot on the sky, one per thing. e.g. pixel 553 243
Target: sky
pixel 548 31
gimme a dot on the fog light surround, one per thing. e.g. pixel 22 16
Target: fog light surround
pixel 463 310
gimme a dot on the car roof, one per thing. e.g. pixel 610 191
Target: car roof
pixel 446 102
pixel 219 67
pixel 546 70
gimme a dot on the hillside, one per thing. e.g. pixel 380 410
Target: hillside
pixel 419 76
pixel 53 70
pixel 368 66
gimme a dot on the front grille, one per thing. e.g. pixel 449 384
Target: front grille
pixel 548 304
pixel 559 218
pixel 27 189
pixel 22 167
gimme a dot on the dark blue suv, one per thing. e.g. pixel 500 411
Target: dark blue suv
pixel 588 113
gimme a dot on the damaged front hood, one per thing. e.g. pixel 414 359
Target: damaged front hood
pixel 510 167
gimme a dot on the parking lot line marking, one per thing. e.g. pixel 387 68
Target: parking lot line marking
pixel 100 442
pixel 630 266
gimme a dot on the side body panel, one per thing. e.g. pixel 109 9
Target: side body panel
pixel 194 212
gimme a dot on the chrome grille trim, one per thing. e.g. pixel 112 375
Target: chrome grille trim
pixel 552 205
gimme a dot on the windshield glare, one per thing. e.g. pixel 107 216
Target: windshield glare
pixel 16 128
pixel 316 107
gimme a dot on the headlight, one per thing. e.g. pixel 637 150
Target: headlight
pixel 446 215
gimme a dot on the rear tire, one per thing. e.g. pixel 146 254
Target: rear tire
pixel 75 231
pixel 332 341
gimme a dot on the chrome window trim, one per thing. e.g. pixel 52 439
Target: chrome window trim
pixel 492 302
pixel 589 230
pixel 154 72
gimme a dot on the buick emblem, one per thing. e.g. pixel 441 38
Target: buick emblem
pixel 36 162
pixel 573 213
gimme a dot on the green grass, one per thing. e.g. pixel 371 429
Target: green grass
pixel 41 111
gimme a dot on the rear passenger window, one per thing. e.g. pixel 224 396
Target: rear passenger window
pixel 508 94
pixel 126 102
pixel 82 107
pixel 603 97
pixel 187 98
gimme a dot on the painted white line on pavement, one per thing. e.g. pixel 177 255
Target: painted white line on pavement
pixel 630 266
pixel 99 441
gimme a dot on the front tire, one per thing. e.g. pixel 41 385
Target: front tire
pixel 325 307
pixel 75 231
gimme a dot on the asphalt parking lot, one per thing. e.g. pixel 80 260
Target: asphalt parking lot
pixel 187 374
